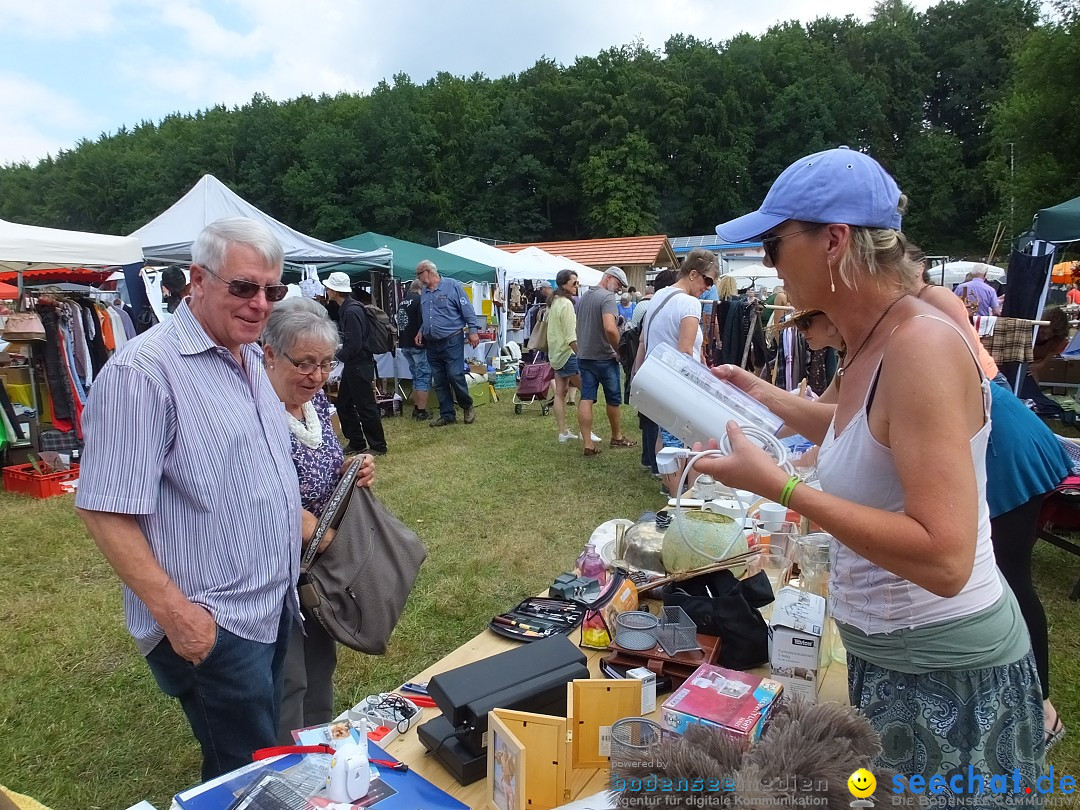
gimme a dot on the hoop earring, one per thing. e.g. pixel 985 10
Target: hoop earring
pixel 832 284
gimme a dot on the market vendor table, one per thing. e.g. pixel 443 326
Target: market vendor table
pixel 410 750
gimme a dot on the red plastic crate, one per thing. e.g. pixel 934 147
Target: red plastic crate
pixel 22 479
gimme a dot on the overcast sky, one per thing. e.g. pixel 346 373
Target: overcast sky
pixel 74 69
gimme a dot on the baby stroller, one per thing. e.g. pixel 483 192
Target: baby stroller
pixel 533 384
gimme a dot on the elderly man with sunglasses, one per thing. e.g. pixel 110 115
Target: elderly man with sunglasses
pixel 189 490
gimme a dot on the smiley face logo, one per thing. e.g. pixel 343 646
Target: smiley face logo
pixel 861 783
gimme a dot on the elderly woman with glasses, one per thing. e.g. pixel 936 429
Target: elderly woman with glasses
pixel 299 344
pixel 939 659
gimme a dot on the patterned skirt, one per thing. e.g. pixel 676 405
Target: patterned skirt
pixel 940 723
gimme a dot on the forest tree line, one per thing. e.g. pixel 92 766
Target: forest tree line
pixel 969 104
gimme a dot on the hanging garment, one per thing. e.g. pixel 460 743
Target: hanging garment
pixel 119 335
pixel 1025 282
pixel 106 327
pixel 129 325
pixel 56 370
pixel 1011 341
pixel 99 355
pixel 83 366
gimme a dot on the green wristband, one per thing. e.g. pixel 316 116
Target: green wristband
pixel 789 487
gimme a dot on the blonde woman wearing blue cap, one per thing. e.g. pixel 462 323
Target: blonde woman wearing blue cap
pixel 939 659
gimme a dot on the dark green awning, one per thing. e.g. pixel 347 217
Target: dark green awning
pixel 1059 223
pixel 409 254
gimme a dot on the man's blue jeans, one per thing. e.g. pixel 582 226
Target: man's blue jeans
pixel 231 699
pixel 446 356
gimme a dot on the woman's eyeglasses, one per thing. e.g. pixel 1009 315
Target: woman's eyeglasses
pixel 249 289
pixel 771 244
pixel 307 367
pixel 802 323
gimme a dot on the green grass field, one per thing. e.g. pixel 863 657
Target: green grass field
pixel 502 507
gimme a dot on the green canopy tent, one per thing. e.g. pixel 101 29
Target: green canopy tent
pixel 409 254
pixel 1059 223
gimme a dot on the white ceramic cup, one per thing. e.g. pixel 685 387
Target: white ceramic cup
pixel 772 515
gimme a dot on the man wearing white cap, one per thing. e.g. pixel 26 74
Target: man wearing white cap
pixel 356 407
pixel 598 340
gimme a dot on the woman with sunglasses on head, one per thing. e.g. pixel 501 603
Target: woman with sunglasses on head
pixel 562 346
pixel 939 659
pixel 299 344
pixel 674 319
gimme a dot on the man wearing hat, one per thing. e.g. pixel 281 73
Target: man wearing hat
pixel 356 406
pixel 598 341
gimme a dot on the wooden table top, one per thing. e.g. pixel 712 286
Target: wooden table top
pixel 410 750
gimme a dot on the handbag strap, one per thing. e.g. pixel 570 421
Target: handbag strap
pixel 651 314
pixel 341 492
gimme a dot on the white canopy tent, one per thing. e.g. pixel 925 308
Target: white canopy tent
pixel 952 273
pixel 587 276
pixel 515 265
pixel 29 247
pixel 169 236
pixel 756 275
pixel 507 266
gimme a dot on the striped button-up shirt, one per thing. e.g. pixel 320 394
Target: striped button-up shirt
pixel 195 445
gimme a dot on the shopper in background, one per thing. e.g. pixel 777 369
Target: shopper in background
pixel 649 429
pixel 447 312
pixel 674 320
pixel 409 321
pixel 562 347
pixel 598 340
pixel 357 409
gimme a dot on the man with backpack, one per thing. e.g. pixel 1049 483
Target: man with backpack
pixel 446 312
pixel 361 336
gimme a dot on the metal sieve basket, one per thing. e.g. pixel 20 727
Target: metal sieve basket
pixel 636 630
pixel 632 739
pixel 677 632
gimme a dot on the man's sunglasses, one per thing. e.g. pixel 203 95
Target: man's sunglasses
pixel 771 244
pixel 249 289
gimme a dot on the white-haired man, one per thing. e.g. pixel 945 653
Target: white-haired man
pixel 980 297
pixel 189 490
pixel 446 312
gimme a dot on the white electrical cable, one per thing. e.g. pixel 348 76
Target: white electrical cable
pixel 768 442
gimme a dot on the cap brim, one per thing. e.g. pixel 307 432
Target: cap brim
pixel 748 227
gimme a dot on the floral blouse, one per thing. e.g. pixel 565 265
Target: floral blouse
pixel 318 470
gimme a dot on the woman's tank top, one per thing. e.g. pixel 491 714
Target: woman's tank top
pixel 855 466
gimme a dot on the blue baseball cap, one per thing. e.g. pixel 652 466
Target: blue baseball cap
pixel 837 185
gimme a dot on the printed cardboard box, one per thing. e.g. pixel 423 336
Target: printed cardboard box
pixel 798 625
pixel 737 702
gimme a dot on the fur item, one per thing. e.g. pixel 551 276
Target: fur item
pixel 805 751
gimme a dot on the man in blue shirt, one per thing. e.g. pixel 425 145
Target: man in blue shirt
pixel 446 311
pixel 980 297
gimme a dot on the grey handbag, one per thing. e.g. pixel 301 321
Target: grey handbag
pixel 357 588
